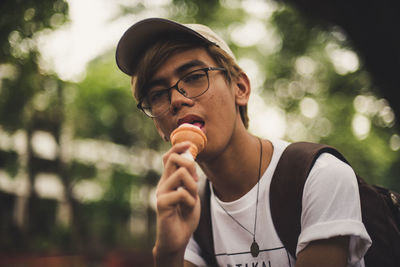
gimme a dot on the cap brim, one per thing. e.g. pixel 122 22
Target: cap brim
pixel 140 35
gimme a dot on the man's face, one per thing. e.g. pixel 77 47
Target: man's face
pixel 215 111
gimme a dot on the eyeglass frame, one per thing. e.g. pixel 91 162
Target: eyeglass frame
pixel 175 86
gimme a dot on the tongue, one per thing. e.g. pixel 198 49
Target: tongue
pixel 198 124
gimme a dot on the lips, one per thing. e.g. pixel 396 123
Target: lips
pixel 192 119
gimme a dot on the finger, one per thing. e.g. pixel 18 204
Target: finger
pixel 174 198
pixel 176 149
pixel 181 178
pixel 175 162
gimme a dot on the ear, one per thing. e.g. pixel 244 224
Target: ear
pixel 243 89
pixel 160 132
pixel 133 83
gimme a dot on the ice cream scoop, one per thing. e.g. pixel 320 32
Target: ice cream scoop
pixel 191 133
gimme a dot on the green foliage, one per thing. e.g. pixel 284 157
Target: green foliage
pixel 20 20
pixel 297 33
pixel 105 224
pixel 21 78
pixel 102 107
pixel 371 157
pixel 79 170
pixel 9 161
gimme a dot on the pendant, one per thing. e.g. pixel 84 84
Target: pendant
pixel 254 249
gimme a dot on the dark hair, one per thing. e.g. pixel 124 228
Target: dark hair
pixel 159 52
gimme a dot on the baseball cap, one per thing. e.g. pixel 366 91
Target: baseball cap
pixel 140 35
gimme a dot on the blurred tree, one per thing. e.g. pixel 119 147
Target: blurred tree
pixel 336 90
pixel 101 106
pixel 345 94
pixel 372 28
pixel 30 101
pixel 309 73
pixel 21 76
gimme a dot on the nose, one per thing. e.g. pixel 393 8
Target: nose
pixel 178 100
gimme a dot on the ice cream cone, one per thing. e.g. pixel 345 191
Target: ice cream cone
pixel 191 133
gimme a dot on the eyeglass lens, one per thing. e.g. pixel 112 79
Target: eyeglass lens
pixel 191 85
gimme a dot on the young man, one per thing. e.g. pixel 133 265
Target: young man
pixel 187 74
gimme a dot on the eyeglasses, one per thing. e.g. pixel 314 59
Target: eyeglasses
pixel 192 85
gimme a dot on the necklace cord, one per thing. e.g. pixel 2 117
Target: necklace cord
pixel 258 189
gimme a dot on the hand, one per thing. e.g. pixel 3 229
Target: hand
pixel 178 204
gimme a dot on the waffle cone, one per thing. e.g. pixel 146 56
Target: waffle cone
pixel 191 133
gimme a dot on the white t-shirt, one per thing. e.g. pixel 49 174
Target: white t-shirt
pixel 331 207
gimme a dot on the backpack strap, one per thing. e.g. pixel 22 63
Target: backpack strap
pixel 203 234
pixel 286 189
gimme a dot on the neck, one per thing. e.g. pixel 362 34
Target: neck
pixel 236 170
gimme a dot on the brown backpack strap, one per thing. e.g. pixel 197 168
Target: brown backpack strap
pixel 203 234
pixel 286 190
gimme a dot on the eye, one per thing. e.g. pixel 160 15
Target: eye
pixel 197 76
pixel 156 96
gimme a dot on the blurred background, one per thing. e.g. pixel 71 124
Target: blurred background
pixel 79 163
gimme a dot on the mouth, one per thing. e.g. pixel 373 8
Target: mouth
pixel 192 119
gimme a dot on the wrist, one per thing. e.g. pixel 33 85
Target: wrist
pixel 164 258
